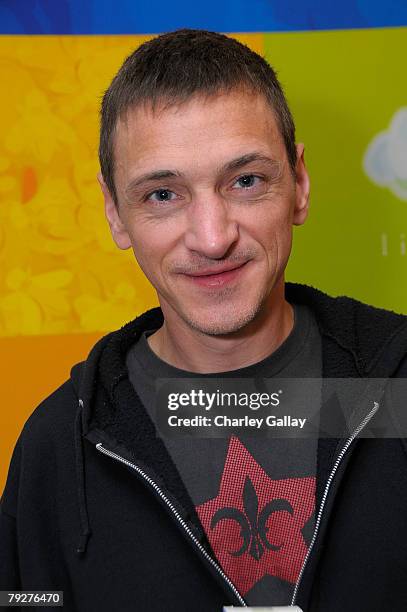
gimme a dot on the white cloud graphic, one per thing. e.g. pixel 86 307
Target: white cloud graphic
pixel 385 160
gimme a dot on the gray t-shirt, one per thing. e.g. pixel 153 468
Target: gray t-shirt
pixel 255 497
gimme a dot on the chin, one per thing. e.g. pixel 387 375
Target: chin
pixel 222 322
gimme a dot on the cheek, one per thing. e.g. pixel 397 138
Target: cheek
pixel 147 255
pixel 151 246
pixel 272 229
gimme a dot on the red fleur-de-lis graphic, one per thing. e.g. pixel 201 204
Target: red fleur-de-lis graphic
pixel 254 523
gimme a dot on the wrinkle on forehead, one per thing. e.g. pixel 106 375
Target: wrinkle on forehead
pixel 154 139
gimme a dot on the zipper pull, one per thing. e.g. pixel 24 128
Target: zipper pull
pixel 265 609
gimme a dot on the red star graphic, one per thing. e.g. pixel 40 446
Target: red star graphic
pixel 257 521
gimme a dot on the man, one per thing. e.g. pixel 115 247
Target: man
pixel 202 178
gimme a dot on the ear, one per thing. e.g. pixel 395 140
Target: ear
pixel 117 227
pixel 302 188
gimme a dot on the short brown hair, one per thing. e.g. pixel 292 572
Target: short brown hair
pixel 173 67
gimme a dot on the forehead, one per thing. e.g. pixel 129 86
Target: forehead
pixel 200 132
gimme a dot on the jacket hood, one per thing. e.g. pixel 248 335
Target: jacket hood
pixel 376 338
pixel 357 340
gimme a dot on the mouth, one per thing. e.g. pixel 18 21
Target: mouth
pixel 216 278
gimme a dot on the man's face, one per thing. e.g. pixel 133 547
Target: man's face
pixel 207 201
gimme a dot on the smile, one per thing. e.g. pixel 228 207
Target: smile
pixel 217 279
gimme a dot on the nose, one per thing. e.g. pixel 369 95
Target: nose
pixel 211 230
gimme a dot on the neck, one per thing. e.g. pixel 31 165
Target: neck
pixel 188 349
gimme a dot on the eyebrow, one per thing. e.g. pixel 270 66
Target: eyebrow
pixel 234 164
pixel 149 177
pixel 244 160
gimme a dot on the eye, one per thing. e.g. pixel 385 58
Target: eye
pixel 247 181
pixel 161 195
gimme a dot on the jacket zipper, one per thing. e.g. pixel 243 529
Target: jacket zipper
pixel 326 491
pixel 177 516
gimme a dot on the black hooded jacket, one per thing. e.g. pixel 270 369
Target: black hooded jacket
pixel 95 507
